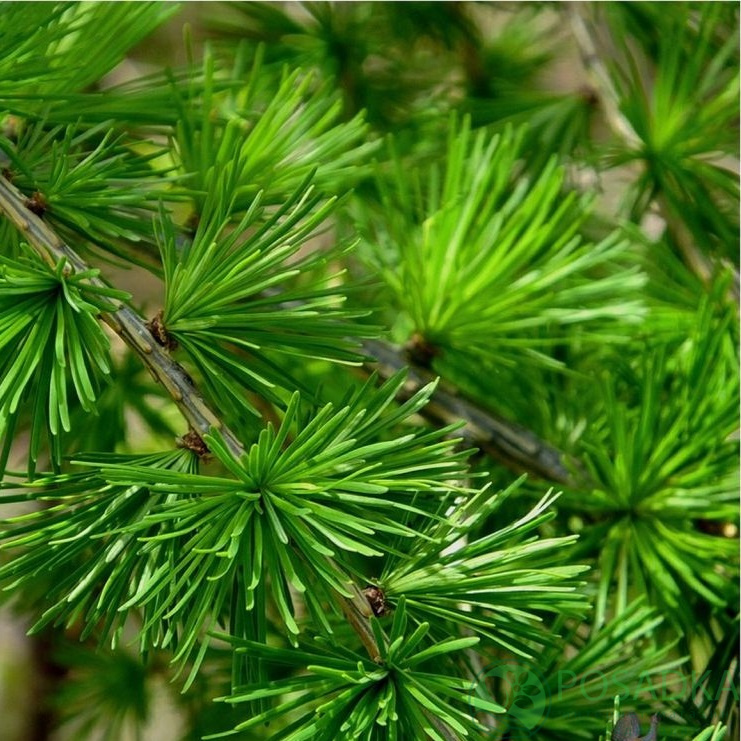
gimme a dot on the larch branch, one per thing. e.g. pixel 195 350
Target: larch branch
pixel 133 330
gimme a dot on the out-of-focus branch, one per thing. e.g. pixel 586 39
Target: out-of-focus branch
pixel 586 34
pixel 593 47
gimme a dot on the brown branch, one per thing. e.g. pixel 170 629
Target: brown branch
pixel 134 331
pixel 516 447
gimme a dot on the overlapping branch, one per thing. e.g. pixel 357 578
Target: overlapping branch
pixel 514 446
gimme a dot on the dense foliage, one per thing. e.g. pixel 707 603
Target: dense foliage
pixel 382 262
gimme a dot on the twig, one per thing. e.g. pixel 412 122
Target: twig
pixel 124 321
pixel 514 446
pixel 585 33
pixel 134 332
pixel 358 612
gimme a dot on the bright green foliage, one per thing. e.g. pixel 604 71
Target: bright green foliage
pixel 506 578
pixel 92 184
pixel 684 120
pixel 79 541
pixel 716 733
pixel 345 695
pixel 40 47
pixel 284 513
pixel 49 338
pixel 270 141
pixel 289 510
pixel 488 264
pixel 222 303
pixel 650 481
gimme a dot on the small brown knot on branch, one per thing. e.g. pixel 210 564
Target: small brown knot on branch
pixel 377 601
pixel 157 327
pixel 11 128
pixel 421 351
pixel 589 95
pixel 192 222
pixel 37 204
pixel 719 529
pixel 193 441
